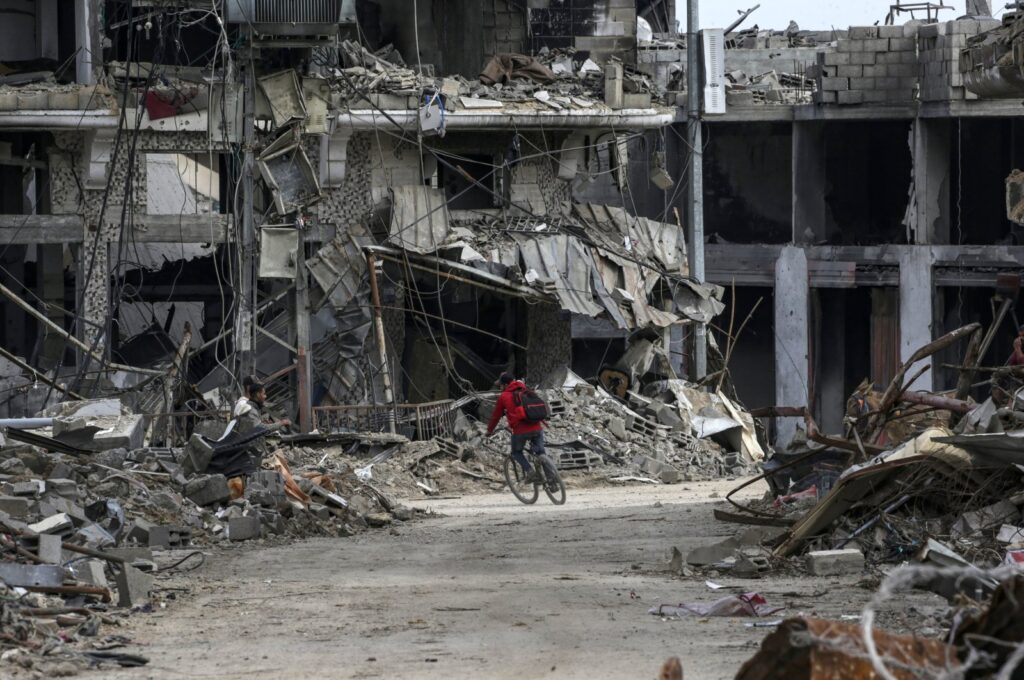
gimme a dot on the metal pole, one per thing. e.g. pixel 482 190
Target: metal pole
pixel 382 348
pixel 304 393
pixel 246 293
pixel 695 195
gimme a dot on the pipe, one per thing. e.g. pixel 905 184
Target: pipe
pixel 382 348
pixel 939 402
pixel 25 423
pixel 642 119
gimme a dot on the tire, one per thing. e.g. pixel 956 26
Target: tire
pixel 554 487
pixel 515 478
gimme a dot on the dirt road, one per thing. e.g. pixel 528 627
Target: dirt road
pixel 493 589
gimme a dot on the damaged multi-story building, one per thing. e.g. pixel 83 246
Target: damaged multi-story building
pixel 362 203
pixel 856 183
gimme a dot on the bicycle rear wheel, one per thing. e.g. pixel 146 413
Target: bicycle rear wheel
pixel 516 480
pixel 554 487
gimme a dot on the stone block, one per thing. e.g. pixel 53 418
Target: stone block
pixel 243 528
pixel 15 506
pixel 133 586
pixel 208 490
pixel 835 562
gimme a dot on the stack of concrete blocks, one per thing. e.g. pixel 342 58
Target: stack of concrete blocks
pixel 940 45
pixel 872 65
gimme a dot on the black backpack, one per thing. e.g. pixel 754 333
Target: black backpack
pixel 535 409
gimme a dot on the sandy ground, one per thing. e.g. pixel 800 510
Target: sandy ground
pixel 487 588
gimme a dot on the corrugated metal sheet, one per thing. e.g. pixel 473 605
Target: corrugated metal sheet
pixel 339 268
pixel 563 267
pixel 419 218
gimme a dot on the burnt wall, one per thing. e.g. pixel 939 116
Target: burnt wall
pixel 599 27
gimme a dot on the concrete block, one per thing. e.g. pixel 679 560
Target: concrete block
pixel 864 58
pixel 886 83
pixel 851 97
pixel 890 31
pixel 850 71
pixel 901 70
pixel 208 490
pixel 32 101
pixel 825 97
pixel 64 487
pixel 963 27
pixel 92 572
pixel 835 562
pixel 876 45
pixel 133 586
pixel 931 30
pixel 23 575
pixel 34 488
pixel 862 83
pixel 243 528
pixel 837 58
pixel 835 84
pixel 15 506
pixel 50 550
pixel 669 475
pixel 132 554
pixel 848 46
pixel 877 71
pixel 863 32
pixel 126 433
pixel 902 44
pixel 716 552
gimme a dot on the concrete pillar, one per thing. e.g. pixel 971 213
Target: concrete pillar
pixel 93 285
pixel 809 182
pixel 929 210
pixel 792 344
pixel 87 40
pixel 916 306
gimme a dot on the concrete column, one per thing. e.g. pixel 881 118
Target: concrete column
pixel 93 284
pixel 792 343
pixel 916 306
pixel 87 40
pixel 809 211
pixel 929 212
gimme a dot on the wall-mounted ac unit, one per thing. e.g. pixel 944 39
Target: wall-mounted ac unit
pixel 713 40
pixel 291 17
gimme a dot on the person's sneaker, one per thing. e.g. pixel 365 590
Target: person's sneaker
pixel 533 477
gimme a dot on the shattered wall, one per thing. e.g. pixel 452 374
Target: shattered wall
pixel 599 27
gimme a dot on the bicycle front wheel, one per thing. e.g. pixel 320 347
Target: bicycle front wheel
pixel 516 480
pixel 554 487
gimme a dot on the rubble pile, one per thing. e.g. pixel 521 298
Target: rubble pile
pixel 556 79
pixel 85 521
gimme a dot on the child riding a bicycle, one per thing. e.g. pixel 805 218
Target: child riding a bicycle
pixel 515 404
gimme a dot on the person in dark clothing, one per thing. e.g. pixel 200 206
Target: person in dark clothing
pixel 523 431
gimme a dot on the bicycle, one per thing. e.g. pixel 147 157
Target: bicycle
pixel 528 493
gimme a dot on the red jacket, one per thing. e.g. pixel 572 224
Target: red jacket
pixel 507 407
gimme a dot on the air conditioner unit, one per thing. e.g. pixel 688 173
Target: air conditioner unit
pixel 291 17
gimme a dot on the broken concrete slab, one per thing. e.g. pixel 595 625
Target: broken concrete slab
pixel 52 525
pixel 25 575
pixel 710 554
pixel 89 408
pixel 1010 534
pixel 835 562
pixel 126 432
pixel 988 517
pixel 15 506
pixel 207 490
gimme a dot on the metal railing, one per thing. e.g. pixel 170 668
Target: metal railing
pixel 418 421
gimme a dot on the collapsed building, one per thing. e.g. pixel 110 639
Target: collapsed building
pixel 186 182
